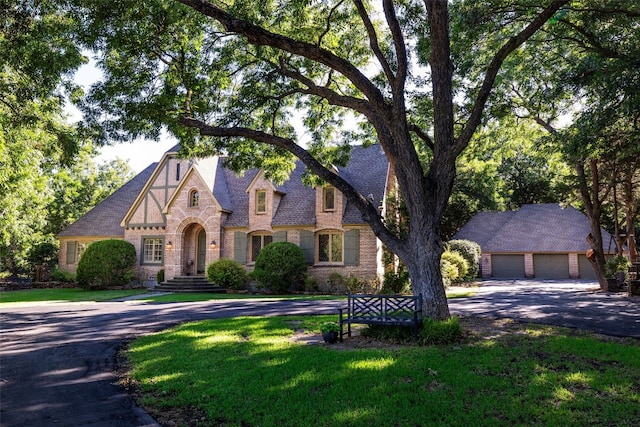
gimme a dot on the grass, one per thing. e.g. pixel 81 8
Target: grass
pixel 76 294
pixel 248 371
pixel 65 294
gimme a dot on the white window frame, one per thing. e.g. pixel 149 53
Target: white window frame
pixel 331 257
pixel 152 250
pixel 264 206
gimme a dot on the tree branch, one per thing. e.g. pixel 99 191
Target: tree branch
pixel 422 135
pixel 373 41
pixel 485 90
pixel 259 36
pixel 370 213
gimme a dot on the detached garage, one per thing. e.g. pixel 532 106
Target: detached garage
pixel 544 241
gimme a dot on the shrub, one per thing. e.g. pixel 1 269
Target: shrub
pixel 395 283
pixel 228 274
pixel 160 276
pixel 615 265
pixel 106 264
pixel 460 264
pixel 449 272
pixel 280 266
pixel 58 275
pixel 337 283
pixel 471 252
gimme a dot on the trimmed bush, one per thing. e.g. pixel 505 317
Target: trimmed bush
pixel 471 252
pixel 160 276
pixel 457 261
pixel 106 264
pixel 449 272
pixel 280 267
pixel 228 274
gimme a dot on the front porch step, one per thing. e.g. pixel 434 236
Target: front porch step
pixel 189 284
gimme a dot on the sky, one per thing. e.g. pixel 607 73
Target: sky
pixel 139 153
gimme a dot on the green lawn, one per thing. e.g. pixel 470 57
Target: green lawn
pixel 75 294
pixel 248 371
pixel 67 294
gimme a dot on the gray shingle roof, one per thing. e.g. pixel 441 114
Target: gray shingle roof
pixel 366 171
pixel 104 219
pixel 541 228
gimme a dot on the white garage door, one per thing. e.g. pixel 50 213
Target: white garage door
pixel 551 266
pixel 507 266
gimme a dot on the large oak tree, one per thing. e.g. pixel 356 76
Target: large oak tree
pixel 230 77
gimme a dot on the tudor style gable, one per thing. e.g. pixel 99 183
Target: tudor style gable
pixel 147 209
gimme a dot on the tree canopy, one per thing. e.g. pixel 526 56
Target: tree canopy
pixel 229 77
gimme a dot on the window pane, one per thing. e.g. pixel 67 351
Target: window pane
pixel 153 251
pixel 195 198
pixel 336 247
pixel 267 240
pixel 261 201
pixel 329 198
pixel 323 248
pixel 256 245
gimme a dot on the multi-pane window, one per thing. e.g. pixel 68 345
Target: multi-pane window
pixel 259 241
pixel 194 198
pixel 330 247
pixel 328 198
pixel 261 201
pixel 152 253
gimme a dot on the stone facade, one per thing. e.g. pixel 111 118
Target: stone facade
pixel 183 215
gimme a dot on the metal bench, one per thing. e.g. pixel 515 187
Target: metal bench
pixel 386 310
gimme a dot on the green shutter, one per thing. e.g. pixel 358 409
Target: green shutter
pixel 352 247
pixel 240 247
pixel 280 236
pixel 307 245
pixel 71 252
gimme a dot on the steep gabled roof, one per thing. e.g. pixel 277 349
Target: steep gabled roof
pixel 540 228
pixel 366 172
pixel 104 219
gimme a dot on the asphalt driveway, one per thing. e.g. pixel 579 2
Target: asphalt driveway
pixel 57 360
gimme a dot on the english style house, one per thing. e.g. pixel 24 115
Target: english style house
pixel 182 215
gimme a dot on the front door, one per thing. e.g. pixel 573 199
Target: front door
pixel 201 252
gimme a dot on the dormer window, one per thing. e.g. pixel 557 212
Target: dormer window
pixel 194 198
pixel 328 199
pixel 261 201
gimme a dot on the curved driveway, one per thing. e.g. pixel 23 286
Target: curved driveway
pixel 57 360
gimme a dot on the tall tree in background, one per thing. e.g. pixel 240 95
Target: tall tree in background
pixel 588 71
pixel 227 77
pixel 47 177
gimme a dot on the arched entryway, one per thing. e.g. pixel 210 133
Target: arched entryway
pixel 194 250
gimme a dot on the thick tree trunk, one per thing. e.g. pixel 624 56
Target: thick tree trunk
pixel 426 279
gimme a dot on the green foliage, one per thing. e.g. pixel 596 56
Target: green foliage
pixel 330 327
pixel 62 276
pixel 106 264
pixel 44 254
pixel 228 274
pixel 439 332
pixel 471 252
pixel 160 276
pixel 449 272
pixel 280 267
pixel 615 265
pixel 395 282
pixel 458 262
